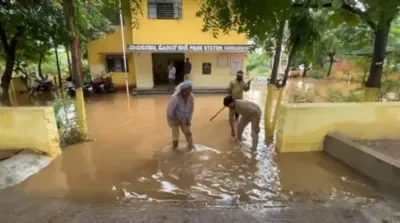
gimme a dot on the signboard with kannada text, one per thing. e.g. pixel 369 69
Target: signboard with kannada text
pixel 187 48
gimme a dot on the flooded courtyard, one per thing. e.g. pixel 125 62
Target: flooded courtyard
pixel 129 159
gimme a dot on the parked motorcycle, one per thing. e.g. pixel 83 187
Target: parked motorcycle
pixel 44 85
pixel 69 87
pixel 103 84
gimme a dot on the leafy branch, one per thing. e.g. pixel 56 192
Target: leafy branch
pixel 363 15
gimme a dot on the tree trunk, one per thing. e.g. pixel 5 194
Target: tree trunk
pixel 331 61
pixel 79 58
pixel 41 55
pixel 6 79
pixel 69 11
pixel 278 52
pixel 68 60
pixel 76 68
pixel 10 51
pixel 7 74
pixel 289 64
pixel 282 86
pixel 378 59
pixel 268 123
pixel 58 67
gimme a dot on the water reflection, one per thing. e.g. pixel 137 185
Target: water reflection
pixel 201 175
pixel 130 159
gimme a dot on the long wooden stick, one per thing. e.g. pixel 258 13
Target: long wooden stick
pixel 217 114
pixel 240 143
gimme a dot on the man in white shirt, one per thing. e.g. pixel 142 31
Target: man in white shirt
pixel 171 74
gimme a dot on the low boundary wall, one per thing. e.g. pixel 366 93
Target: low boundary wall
pixel 303 127
pixel 29 127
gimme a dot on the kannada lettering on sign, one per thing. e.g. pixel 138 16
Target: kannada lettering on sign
pixel 188 48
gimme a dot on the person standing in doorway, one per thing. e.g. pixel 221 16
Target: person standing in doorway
pixel 187 68
pixel 249 112
pixel 171 74
pixel 236 89
pixel 180 112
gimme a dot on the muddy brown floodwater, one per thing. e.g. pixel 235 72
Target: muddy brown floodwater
pixel 130 160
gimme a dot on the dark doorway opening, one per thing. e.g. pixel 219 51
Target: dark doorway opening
pixel 160 63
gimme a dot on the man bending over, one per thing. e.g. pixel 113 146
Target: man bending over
pixel 249 112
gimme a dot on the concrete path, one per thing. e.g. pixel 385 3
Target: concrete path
pixel 18 207
pixel 21 166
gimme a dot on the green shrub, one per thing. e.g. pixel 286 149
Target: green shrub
pixel 66 122
pixel 86 72
pixel 299 96
pixel 334 96
pixel 338 96
pixel 317 74
pixel 390 90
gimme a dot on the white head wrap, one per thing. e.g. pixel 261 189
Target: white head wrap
pixel 182 86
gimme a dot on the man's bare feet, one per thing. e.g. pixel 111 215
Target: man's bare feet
pixel 191 147
pixel 233 133
pixel 175 146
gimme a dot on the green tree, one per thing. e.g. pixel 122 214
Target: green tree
pixel 337 42
pixel 329 47
pixel 73 12
pixel 303 34
pixel 259 62
pixel 262 21
pixel 394 48
pixel 379 15
pixel 29 29
pixel 21 22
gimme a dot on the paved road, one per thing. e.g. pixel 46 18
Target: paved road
pixel 17 207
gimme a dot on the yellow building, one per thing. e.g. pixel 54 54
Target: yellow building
pixel 169 31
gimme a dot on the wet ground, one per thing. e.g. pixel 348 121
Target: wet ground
pixel 128 173
pixel 17 209
pixel 130 159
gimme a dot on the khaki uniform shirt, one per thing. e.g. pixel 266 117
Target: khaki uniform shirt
pixel 237 88
pixel 247 109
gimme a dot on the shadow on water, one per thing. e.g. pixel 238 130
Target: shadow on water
pixel 130 159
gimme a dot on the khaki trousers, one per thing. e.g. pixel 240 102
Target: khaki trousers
pixel 244 121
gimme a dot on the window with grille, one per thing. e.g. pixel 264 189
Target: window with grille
pixel 115 64
pixel 165 9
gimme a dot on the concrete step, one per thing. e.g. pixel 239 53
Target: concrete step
pixel 19 167
pixel 376 165
pixel 154 91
